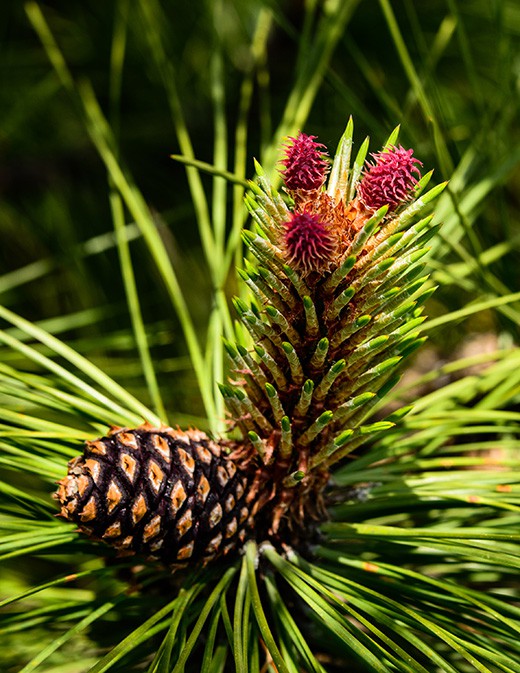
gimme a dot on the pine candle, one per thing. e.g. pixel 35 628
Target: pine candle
pixel 337 291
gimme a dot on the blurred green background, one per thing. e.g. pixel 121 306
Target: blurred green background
pixel 447 71
pixel 237 76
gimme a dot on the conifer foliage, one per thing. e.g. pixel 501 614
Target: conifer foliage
pixel 311 530
pixel 336 300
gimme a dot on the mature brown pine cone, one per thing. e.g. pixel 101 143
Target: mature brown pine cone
pixel 173 496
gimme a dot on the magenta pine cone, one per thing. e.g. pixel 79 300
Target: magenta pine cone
pixel 305 165
pixel 390 180
pixel 308 242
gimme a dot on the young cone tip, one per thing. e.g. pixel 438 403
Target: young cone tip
pixel 321 227
pixel 309 243
pixel 305 164
pixel 390 180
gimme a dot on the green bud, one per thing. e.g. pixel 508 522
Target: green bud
pixel 363 320
pixel 325 418
pixel 379 426
pixel 270 390
pixel 286 424
pixel 343 437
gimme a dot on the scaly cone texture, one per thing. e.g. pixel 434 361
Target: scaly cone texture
pixel 337 292
pixel 173 496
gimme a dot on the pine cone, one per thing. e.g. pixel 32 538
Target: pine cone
pixel 173 496
pixel 336 302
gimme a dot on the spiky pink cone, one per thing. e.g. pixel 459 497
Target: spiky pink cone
pixel 305 165
pixel 390 180
pixel 308 242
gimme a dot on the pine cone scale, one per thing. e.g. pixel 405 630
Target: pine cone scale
pixel 173 496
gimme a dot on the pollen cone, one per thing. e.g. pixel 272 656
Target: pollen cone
pixel 173 496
